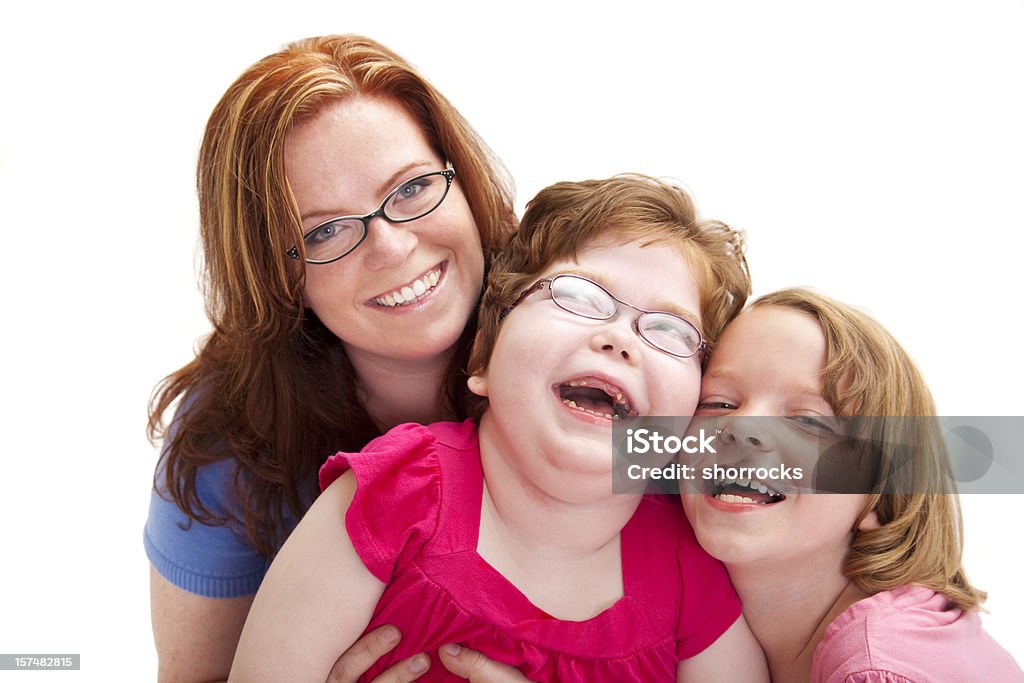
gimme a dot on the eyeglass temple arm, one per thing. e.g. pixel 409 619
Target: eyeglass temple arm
pixel 536 287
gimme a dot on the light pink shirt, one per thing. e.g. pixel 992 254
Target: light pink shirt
pixel 910 634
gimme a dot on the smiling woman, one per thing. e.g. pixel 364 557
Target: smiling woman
pixel 429 263
pixel 330 325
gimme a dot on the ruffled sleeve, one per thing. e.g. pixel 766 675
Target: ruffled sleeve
pixel 709 604
pixel 395 508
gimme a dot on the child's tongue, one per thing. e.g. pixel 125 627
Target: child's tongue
pixel 588 398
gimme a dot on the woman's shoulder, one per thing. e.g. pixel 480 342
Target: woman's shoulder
pixel 212 560
pixel 910 632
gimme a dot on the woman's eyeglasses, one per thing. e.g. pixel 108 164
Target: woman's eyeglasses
pixel 338 237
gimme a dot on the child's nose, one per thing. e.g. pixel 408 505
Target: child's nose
pixel 746 431
pixel 616 336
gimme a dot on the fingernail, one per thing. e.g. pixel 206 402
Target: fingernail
pixel 452 649
pixel 419 664
pixel 388 635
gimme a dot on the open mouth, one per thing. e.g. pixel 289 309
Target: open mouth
pixel 748 491
pixel 414 291
pixel 596 397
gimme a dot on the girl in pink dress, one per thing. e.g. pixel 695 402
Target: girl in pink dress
pixel 503 534
pixel 857 587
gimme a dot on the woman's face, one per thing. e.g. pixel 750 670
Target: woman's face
pixel 344 162
pixel 769 362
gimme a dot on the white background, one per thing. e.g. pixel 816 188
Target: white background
pixel 874 150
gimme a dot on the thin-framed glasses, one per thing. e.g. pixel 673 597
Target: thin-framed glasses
pixel 664 331
pixel 338 237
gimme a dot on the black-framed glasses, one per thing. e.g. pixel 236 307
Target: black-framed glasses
pixel 338 237
pixel 666 332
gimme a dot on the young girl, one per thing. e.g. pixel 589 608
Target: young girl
pixel 853 588
pixel 506 536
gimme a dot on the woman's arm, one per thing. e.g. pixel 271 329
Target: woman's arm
pixel 735 656
pixel 195 636
pixel 315 601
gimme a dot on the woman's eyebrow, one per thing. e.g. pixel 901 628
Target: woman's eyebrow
pixel 385 187
pixel 392 182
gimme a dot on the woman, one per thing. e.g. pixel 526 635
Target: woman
pixel 347 212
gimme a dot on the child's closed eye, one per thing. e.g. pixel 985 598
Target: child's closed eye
pixel 813 422
pixel 714 407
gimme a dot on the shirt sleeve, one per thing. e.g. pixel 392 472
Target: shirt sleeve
pixel 398 492
pixel 212 561
pixel 709 604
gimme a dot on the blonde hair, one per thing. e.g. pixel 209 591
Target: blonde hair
pixel 568 216
pixel 869 376
pixel 272 387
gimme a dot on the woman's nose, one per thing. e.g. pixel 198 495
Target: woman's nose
pixel 388 245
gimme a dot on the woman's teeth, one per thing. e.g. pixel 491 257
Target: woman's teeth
pixel 410 292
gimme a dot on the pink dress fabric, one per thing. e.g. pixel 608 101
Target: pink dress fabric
pixel 910 634
pixel 415 520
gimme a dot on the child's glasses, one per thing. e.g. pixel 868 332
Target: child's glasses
pixel 666 332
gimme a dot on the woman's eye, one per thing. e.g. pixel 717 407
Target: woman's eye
pixel 322 234
pixel 337 230
pixel 409 190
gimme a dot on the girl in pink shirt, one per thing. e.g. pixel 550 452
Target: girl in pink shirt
pixel 505 534
pixel 859 587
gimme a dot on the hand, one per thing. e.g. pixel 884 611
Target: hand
pixel 477 668
pixel 354 662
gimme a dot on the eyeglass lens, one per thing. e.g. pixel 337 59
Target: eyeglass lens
pixel 665 331
pixel 411 200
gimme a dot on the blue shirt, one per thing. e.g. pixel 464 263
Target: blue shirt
pixel 212 561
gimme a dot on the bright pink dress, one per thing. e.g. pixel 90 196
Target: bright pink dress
pixel 415 520
pixel 910 635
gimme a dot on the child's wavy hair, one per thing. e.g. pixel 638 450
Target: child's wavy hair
pixel 870 377
pixel 569 216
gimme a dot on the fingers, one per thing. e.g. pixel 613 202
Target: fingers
pixel 477 668
pixel 365 652
pixel 406 670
